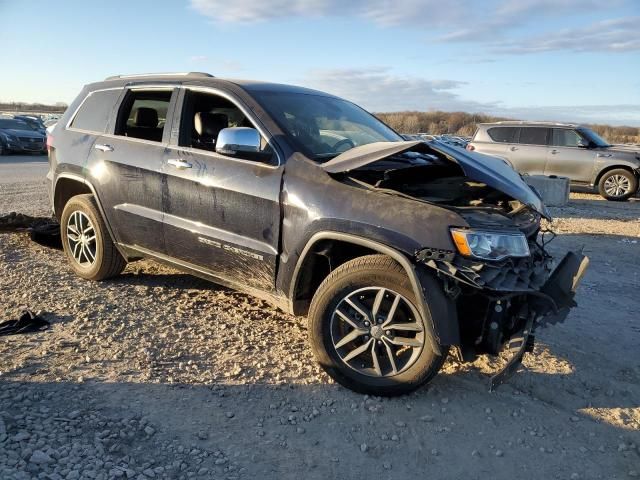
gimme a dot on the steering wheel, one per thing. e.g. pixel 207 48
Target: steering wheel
pixel 345 141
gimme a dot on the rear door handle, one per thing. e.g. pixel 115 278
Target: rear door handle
pixel 103 147
pixel 513 149
pixel 179 163
pixel 554 151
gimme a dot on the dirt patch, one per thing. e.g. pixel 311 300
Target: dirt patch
pixel 157 374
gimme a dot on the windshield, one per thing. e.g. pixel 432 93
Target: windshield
pixel 324 127
pixel 593 137
pixel 14 124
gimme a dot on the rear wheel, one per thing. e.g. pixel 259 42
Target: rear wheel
pixel 366 330
pixel 86 242
pixel 618 184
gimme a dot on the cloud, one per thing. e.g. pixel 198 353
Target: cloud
pixel 378 90
pixel 491 22
pixel 620 35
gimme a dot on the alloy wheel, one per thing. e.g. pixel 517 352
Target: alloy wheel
pixel 617 185
pixel 377 332
pixel 81 237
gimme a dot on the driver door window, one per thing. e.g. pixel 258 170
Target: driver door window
pixel 205 115
pixel 566 138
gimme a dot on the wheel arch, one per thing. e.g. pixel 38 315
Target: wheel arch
pixel 67 186
pixel 367 247
pixel 608 168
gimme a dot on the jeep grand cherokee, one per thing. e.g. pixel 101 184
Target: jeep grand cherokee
pixel 396 251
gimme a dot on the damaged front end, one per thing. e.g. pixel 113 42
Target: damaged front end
pixel 501 281
pixel 501 304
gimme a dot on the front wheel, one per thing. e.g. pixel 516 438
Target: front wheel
pixel 366 331
pixel 618 185
pixel 86 242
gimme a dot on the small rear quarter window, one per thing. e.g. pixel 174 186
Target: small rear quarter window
pixel 95 111
pixel 502 134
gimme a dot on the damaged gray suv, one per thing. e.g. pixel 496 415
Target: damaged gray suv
pixel 398 252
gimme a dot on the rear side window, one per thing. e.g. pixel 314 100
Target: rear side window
pixel 502 134
pixel 533 136
pixel 95 111
pixel 143 114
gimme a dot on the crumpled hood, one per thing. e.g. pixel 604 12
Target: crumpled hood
pixel 489 170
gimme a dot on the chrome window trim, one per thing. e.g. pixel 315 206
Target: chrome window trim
pixel 247 113
pixel 161 86
pixel 171 86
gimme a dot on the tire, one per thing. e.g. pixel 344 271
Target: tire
pixel 361 280
pixel 3 150
pixel 618 185
pixel 98 257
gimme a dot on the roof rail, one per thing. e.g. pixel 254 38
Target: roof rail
pixel 173 74
pixel 532 122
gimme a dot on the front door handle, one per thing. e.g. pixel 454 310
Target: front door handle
pixel 554 151
pixel 103 147
pixel 179 163
pixel 513 149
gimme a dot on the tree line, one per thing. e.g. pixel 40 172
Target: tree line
pixel 464 124
pixel 437 122
pixel 24 107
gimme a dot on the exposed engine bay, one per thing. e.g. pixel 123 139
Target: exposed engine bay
pixel 499 303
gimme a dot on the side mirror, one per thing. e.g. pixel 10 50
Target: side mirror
pixel 584 143
pixel 236 141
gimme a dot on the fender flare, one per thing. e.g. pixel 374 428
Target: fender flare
pixel 418 287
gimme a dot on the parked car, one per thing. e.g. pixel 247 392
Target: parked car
pixel 34 122
pixel 397 251
pixel 572 151
pixel 18 137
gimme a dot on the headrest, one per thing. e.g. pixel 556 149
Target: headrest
pixel 209 124
pixel 146 117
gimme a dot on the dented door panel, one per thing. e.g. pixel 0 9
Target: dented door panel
pixel 223 214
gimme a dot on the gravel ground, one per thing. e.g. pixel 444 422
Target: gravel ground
pixel 157 374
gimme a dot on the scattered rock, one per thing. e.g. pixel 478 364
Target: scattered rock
pixel 39 457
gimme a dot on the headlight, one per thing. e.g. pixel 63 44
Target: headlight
pixel 9 138
pixel 490 245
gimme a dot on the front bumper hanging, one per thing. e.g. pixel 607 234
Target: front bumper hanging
pixel 550 307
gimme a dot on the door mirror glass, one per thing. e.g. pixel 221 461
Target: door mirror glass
pixel 236 141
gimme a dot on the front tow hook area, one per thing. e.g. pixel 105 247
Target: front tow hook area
pixel 518 345
pixel 551 307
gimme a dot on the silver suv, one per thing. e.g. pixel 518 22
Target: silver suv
pixel 573 151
